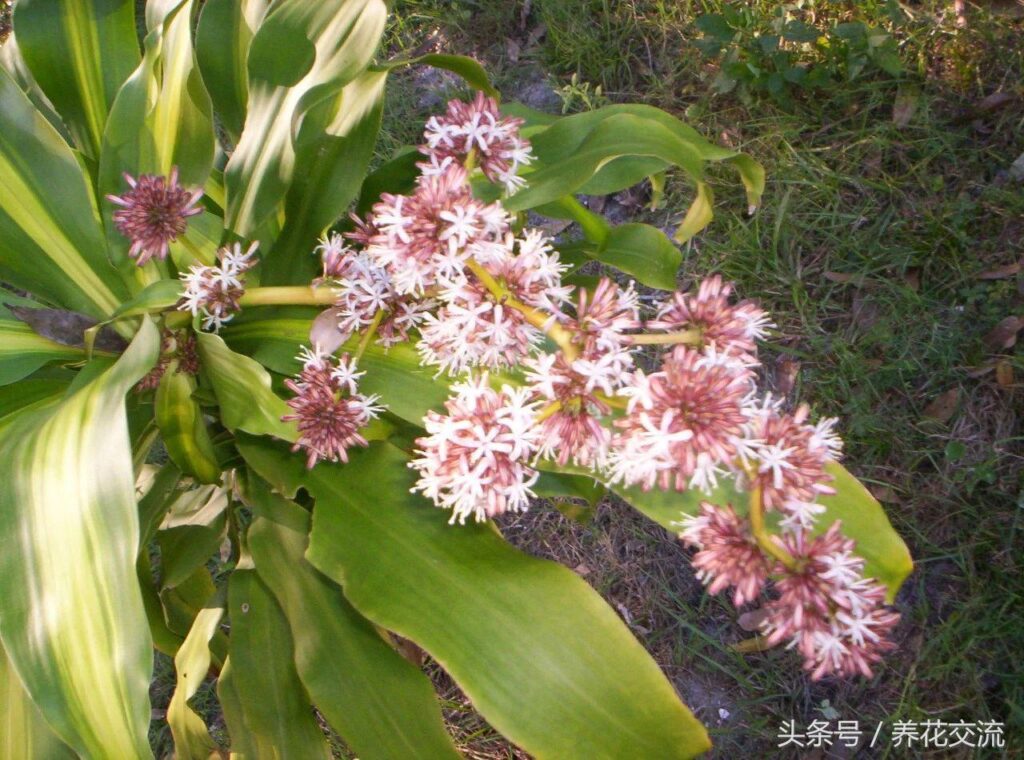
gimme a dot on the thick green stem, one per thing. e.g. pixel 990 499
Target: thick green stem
pixel 762 536
pixel 291 295
pixel 689 337
pixel 535 317
pixel 368 335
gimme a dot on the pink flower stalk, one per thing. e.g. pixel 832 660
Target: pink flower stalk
pixel 683 423
pixel 606 314
pixel 478 127
pixel 474 460
pixel 424 238
pixel 327 407
pixel 790 457
pixel 574 430
pixel 732 327
pixel 728 555
pixel 834 616
pixel 153 213
pixel 214 291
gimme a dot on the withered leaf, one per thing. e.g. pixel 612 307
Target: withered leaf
pixel 943 407
pixel 1004 334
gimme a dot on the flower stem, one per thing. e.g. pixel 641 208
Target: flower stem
pixel 547 411
pixel 292 295
pixel 371 330
pixel 689 337
pixel 762 536
pixel 535 317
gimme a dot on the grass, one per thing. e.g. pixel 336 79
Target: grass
pixel 874 249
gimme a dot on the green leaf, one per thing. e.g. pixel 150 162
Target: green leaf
pixel 14 64
pixel 182 426
pixel 644 252
pixel 32 393
pixel 80 52
pixel 272 704
pixel 71 616
pixel 302 54
pixel 332 153
pixel 23 351
pixel 243 391
pixel 192 740
pixel 468 68
pixel 380 703
pixel 162 119
pixel 540 654
pixel 157 296
pixel 225 31
pixel 51 238
pixel 191 532
pixel 23 731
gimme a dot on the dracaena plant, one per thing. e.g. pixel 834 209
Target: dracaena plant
pixel 311 387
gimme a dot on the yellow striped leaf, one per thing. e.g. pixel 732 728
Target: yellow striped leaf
pixel 71 614
pixel 80 52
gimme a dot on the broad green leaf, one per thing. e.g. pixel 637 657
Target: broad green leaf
pixel 23 731
pixel 467 68
pixel 190 533
pixel 71 615
pixel 162 119
pixel 332 152
pixel 39 390
pixel 192 740
pixel 182 426
pixel 80 52
pixel 225 31
pixel 51 238
pixel 642 251
pixel 272 702
pixel 540 654
pixel 243 390
pixel 14 64
pixel 379 702
pixel 23 351
pixel 157 296
pixel 302 53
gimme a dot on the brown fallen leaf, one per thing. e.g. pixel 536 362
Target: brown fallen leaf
pixel 581 569
pixel 1004 373
pixel 513 49
pixel 943 407
pixel 1001 273
pixel 751 621
pixel 884 493
pixel 912 278
pixel 785 378
pixel 1004 335
pixel 840 277
pixel 994 102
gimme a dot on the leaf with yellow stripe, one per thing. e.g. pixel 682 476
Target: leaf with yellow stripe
pixel 51 238
pixel 302 54
pixel 23 731
pixel 192 740
pixel 71 613
pixel 80 52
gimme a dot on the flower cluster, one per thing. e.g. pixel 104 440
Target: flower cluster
pixel 484 295
pixel 153 213
pixel 213 292
pixel 178 346
pixel 328 408
pixel 477 128
pixel 475 459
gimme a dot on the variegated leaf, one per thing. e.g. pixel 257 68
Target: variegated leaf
pixel 71 615
pixel 302 54
pixel 80 52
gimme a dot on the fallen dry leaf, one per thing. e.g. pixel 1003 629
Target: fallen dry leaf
pixel 840 277
pixel 912 278
pixel 581 569
pixel 1004 335
pixel 1001 273
pixel 943 407
pixel 1004 373
pixel 994 101
pixel 883 493
pixel 785 378
pixel 751 621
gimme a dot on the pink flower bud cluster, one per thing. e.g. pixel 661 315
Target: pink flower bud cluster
pixel 328 408
pixel 477 127
pixel 153 213
pixel 213 292
pixel 475 460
